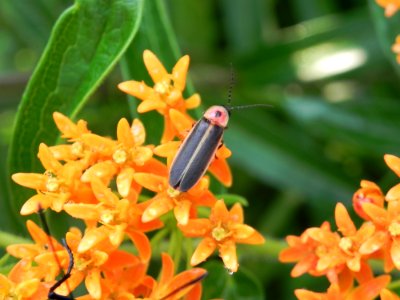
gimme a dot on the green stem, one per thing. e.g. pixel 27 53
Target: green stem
pixel 271 247
pixel 7 239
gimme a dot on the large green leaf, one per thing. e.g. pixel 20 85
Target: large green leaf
pixel 86 42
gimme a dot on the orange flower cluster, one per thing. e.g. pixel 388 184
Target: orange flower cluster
pixel 99 180
pixel 396 48
pixel 343 256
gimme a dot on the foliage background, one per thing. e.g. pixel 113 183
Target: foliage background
pixel 326 66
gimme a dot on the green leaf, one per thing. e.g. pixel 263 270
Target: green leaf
pixel 86 42
pixel 240 285
pixel 387 29
pixel 231 199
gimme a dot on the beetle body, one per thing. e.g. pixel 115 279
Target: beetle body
pixel 198 149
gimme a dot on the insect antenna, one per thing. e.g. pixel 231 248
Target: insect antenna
pixel 52 295
pixel 231 85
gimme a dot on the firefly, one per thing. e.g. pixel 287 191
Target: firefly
pixel 200 146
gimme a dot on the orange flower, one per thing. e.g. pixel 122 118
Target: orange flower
pixel 167 199
pixel 388 295
pixel 166 93
pixel 368 290
pixel 175 287
pixel 368 193
pixel 390 6
pixel 222 230
pixel 396 48
pixel 387 235
pixel 302 249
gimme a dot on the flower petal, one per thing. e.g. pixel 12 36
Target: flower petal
pixel 221 170
pixel 92 283
pixel 196 227
pixel 181 212
pixel 393 163
pixel 155 68
pixel 142 244
pixel 124 181
pixel 227 251
pixel 124 133
pixel 205 248
pixel 137 89
pixel 394 193
pixel 31 180
pixel 179 72
pixel 157 208
pixel 151 182
pixel 193 101
pixel 343 221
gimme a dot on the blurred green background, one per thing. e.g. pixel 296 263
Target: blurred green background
pixel 325 66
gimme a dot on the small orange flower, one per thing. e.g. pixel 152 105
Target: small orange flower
pixel 387 235
pixel 222 230
pixel 302 250
pixel 368 193
pixel 166 93
pixel 175 287
pixel 167 198
pixel 368 290
pixel 390 6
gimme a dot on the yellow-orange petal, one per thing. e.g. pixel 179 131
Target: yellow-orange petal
pixel 124 181
pixel 28 251
pixel 181 212
pixel 68 128
pixel 31 180
pixel 391 9
pixel 137 89
pixel 102 193
pixel 92 283
pixel 160 206
pixel 152 103
pixel 205 248
pixel 370 290
pixel 39 236
pixel 27 288
pixel 377 214
pixel 223 152
pixel 124 134
pixel 5 284
pixel 242 231
pixel 167 271
pixel 236 213
pixel 91 238
pixel 47 159
pixel 255 239
pixel 374 243
pixel 395 254
pixel 151 182
pixel 83 211
pixel 185 281
pixel 138 132
pixel 393 163
pixel 227 251
pixel 103 145
pixel 142 155
pixel 303 294
pixel 394 193
pixel 193 101
pixel 179 72
pixel 304 266
pixel 388 295
pixel 63 152
pixel 181 121
pixel 343 221
pixel 104 170
pixel 196 227
pixel 36 203
pixel 219 212
pixel 168 149
pixel 142 244
pixel 155 68
pixel 221 170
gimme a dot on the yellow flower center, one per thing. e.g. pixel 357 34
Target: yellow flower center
pixel 345 244
pixel 52 184
pixel 394 228
pixel 162 87
pixel 120 156
pixel 172 192
pixel 107 217
pixel 219 233
pixel 77 149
